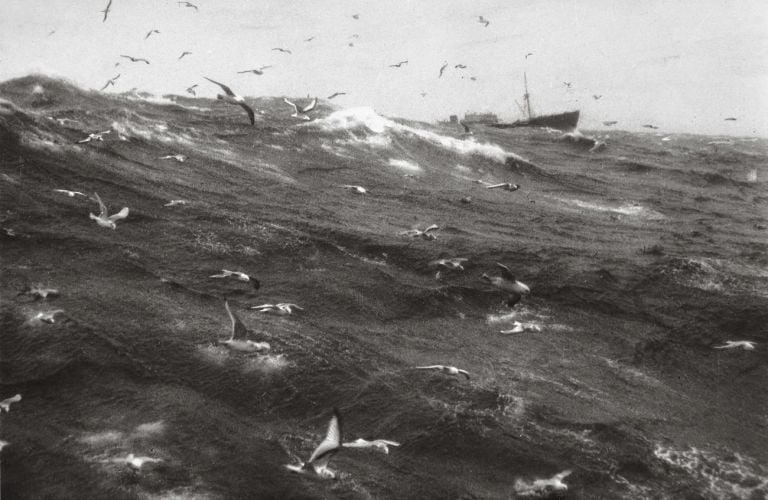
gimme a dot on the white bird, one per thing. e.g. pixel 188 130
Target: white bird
pixel 454 264
pixel 69 193
pixel 281 309
pixel 381 445
pixel 506 186
pixel 5 405
pixel 179 158
pixel 508 283
pixel 3 444
pixel 239 276
pixel 317 465
pixel 40 292
pixel 747 345
pixel 232 98
pixel 301 112
pixel 542 488
pixel 355 189
pixel 239 339
pixel 136 463
pixel 173 203
pixel 47 317
pixel 450 370
pixel 108 221
pixel 518 327
pixel 425 235
pixel 97 136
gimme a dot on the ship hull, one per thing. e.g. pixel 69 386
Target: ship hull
pixel 560 121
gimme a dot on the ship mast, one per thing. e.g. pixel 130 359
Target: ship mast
pixel 526 96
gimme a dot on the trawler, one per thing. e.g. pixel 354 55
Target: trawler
pixel 561 121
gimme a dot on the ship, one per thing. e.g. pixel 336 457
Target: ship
pixel 560 121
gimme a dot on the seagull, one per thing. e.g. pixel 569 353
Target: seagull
pixel 135 59
pixel 355 189
pixel 730 119
pixel 398 64
pixel 5 405
pixel 650 126
pixel 567 84
pixel 106 10
pixel 442 68
pixel 518 327
pixel 97 136
pixel 69 193
pixel 610 122
pixel 317 465
pixel 39 292
pixel 136 463
pixel 460 66
pixel 173 203
pixel 449 370
pixel 239 276
pixel 426 234
pixel 381 445
pixel 596 97
pixel 188 4
pixel 151 32
pixel 506 186
pixel 351 44
pixel 301 112
pixel 110 82
pixel 508 283
pixel 50 33
pixel 178 158
pixel 467 130
pixel 423 94
pixel 454 264
pixel 528 54
pixel 239 339
pixel 233 98
pixel 355 16
pixel 747 345
pixel 542 487
pixel 191 90
pixel 281 309
pixel 47 317
pixel 335 94
pixel 185 53
pixel 107 221
pixel 259 71
pixel 283 50
pixel 3 444
pixel 482 20
pixel 309 39
pixel 473 78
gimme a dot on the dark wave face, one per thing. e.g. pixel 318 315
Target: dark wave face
pixel 642 259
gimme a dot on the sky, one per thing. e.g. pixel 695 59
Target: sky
pixel 683 66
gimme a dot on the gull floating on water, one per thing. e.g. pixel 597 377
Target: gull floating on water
pixel 506 186
pixel 449 370
pixel 136 463
pixel 259 71
pixel 69 193
pixel 173 203
pixel 519 327
pixel 542 488
pixel 355 189
pixel 135 59
pixel 40 292
pixel 5 405
pixel 425 235
pixel 239 276
pixel 747 345
pixel 381 445
pixel 107 221
pixel 317 465
pixel 238 341
pixel 150 32
pixel 111 81
pixel 96 136
pixel 508 283
pixel 179 158
pixel 281 309
pixel 233 98
pixel 454 264
pixel 301 112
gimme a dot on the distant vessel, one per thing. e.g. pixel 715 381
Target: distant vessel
pixel 560 121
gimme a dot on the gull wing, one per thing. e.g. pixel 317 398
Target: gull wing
pixel 106 10
pixel 430 228
pixel 562 475
pixel 239 332
pixel 102 207
pixel 387 442
pixel 285 304
pixel 122 214
pixel 251 115
pixel 505 271
pixel 295 108
pixel 226 89
pixel 309 107
pixel 331 444
pixel 494 186
pixel 465 373
pixel 430 367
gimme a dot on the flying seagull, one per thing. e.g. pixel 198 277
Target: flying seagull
pixel 747 345
pixel 136 463
pixel 355 16
pixel 317 465
pixel 425 235
pixel 96 136
pixel 542 488
pixel 528 54
pixel 191 90
pixel 233 98
pixel 442 68
pixel 381 445
pixel 518 327
pixel 482 20
pixel 398 64
pixel 51 33
pixel 185 53
pixel 335 94
pixel 283 50
pixel 188 4
pixel 301 112
pixel 151 32
pixel 730 119
pixel 5 405
pixel 135 59
pixel 173 203
pixel 355 189
pixel 506 186
pixel 454 264
pixel 309 39
pixel 179 158
pixel 40 292
pixel 239 276
pixel 460 66
pixel 610 122
pixel 238 341
pixel 107 221
pixel 106 10
pixel 47 317
pixel 281 309
pixel 449 370
pixel 508 283
pixel 654 127
pixel 596 97
pixel 69 193
pixel 111 81
pixel 567 84
pixel 259 71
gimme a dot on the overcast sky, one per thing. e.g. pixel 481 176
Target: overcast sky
pixel 684 66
